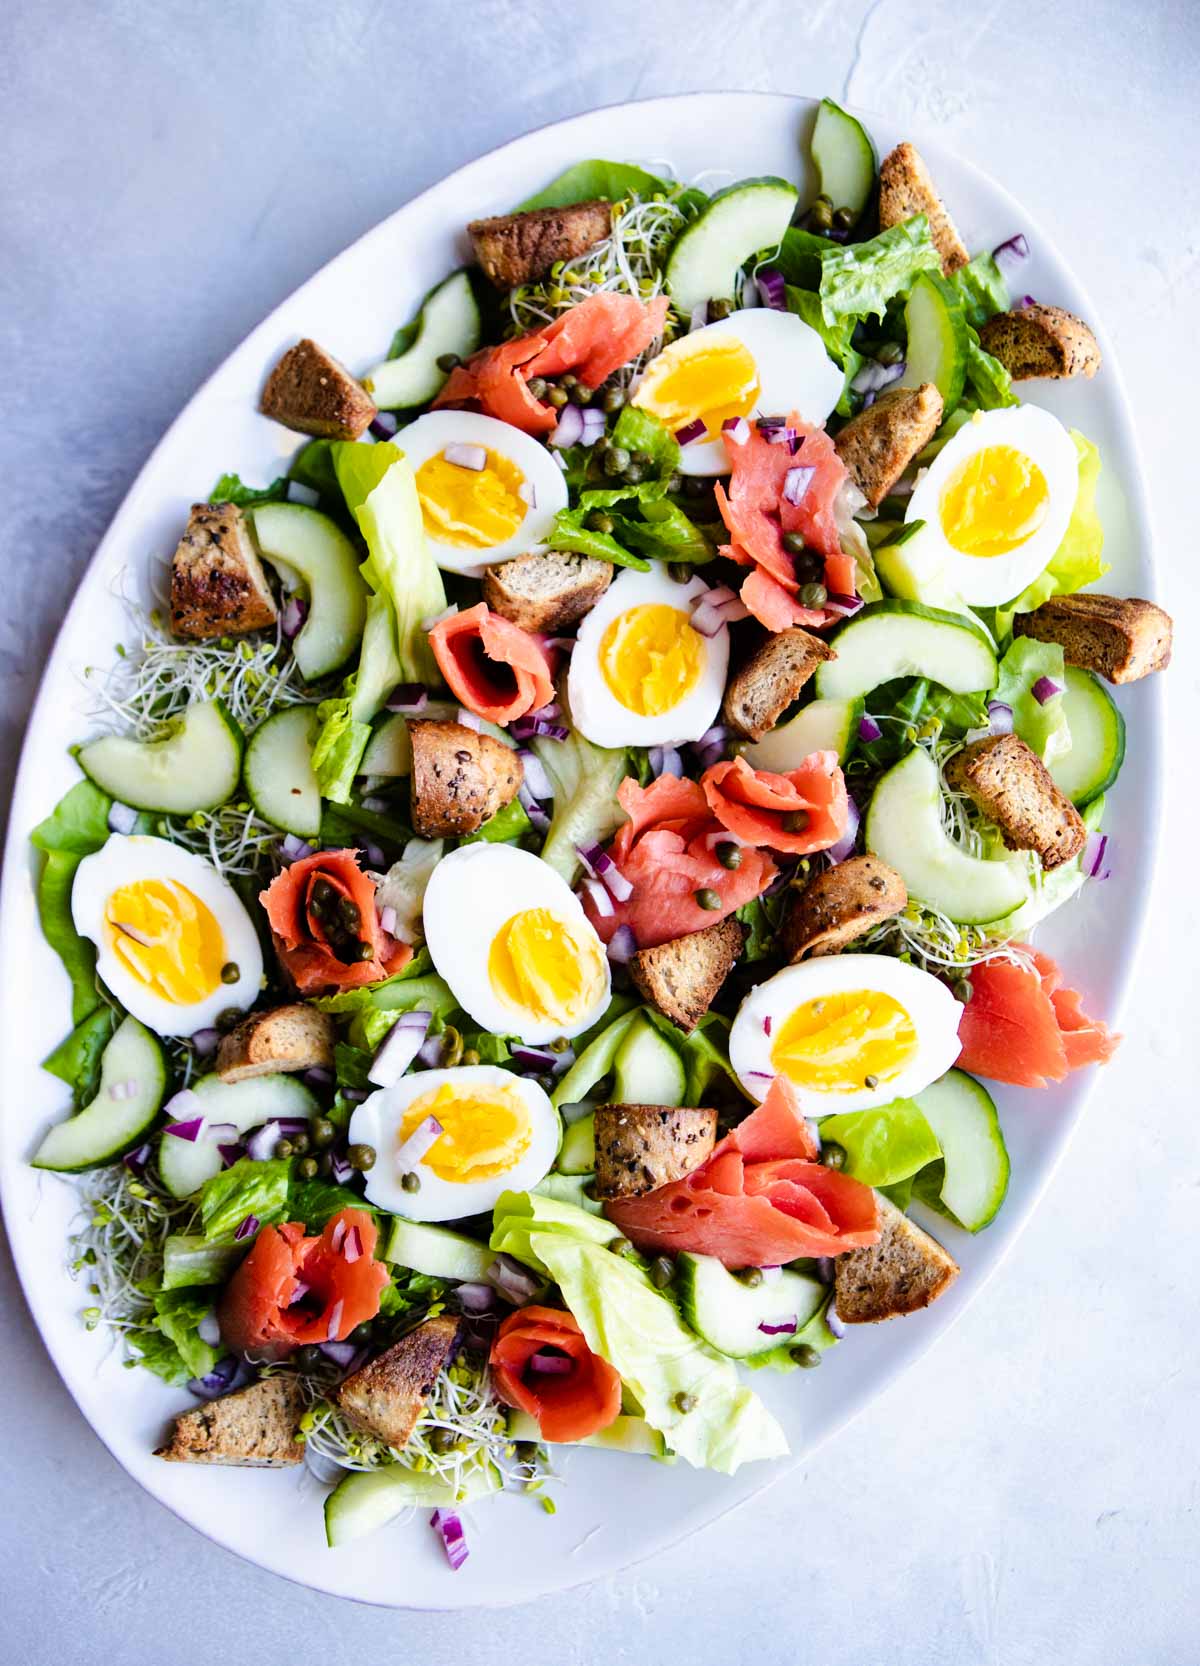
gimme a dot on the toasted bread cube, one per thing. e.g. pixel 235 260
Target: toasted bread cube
pixel 765 685
pixel 546 593
pixel 840 904
pixel 218 587
pixel 519 248
pixel 1014 789
pixel 1038 341
pixel 294 1037
pixel 1119 638
pixel 642 1147
pixel 905 189
pixel 879 443
pixel 387 1397
pixel 460 778
pixel 310 392
pixel 904 1271
pixel 681 977
pixel 253 1428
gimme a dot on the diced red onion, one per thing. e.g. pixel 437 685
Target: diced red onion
pixel 246 1228
pixel 835 1321
pixel 527 494
pixel 601 866
pixel 134 933
pixel 665 760
pixel 513 1281
pixel 454 1541
pixel 537 778
pixel 844 606
pixel 468 719
pixel 771 1275
pixel 623 946
pixel 221 1131
pixel 1025 301
pixel 766 1024
pixel 475 1298
pixel 694 430
pixel 424 1135
pixel 783 436
pixel 1045 689
pixel 825 1268
pixel 1000 717
pixel 783 1327
pixel 209 1330
pixel 593 425
pixel 599 897
pixel 317 1076
pixel 699 317
pixel 796 483
pixel 706 620
pixel 387 920
pixel 430 1052
pixel 399 1048
pixel 549 1365
pixel 189 1130
pixel 220 1380
pixel 868 729
pixel 538 819
pixel 260 1146
pixel 230 1154
pixel 868 400
pixel 772 288
pixel 845 845
pixel 473 457
pixel 137 1160
pixel 569 430
pixel 1012 251
pixel 874 377
pixel 540 1060
pixel 339 1168
pixel 339 1353
pixel 337 1236
pixel 761 1075
pixel 298 492
pixel 385 425
pixel 335 1321
pixel 409 698
pixel 122 818
pixel 352 1248
pixel 1094 853
pixel 206 1041
pixel 291 620
pixel 295 849
pixel 735 430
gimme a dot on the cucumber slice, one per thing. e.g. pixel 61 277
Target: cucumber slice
pixel 570 1188
pixel 196 767
pixel 962 1114
pixel 907 639
pixel 280 780
pixel 647 1070
pixel 577 1153
pixel 844 158
pixel 904 827
pixel 133 1079
pixel 369 1499
pixel 937 339
pixel 389 750
pixel 308 543
pixel 737 223
pixel 448 322
pixel 728 1313
pixel 593 1063
pixel 1097 739
pixel 184 1165
pixel 437 1252
pixel 822 726
pixel 623 1434
pixel 910 565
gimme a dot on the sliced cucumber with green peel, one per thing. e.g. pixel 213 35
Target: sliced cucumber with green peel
pixel 309 544
pixel 577 1153
pixel 737 224
pixel 844 158
pixel 623 1434
pixel 196 766
pixel 907 639
pixel 133 1080
pixel 1097 739
pixel 184 1165
pixel 368 1499
pixel 729 1314
pixel 594 1063
pixel 962 1114
pixel 910 565
pixel 647 1070
pixel 437 1252
pixel 822 726
pixel 904 828
pixel 278 771
pixel 937 339
pixel 448 322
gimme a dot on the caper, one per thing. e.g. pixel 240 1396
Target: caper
pixel 729 856
pixel 448 362
pixel 616 460
pixel 720 308
pixel 443 1440
pixel 559 1044
pixel 751 1277
pixel 793 543
pixel 871 1082
pixel 299 1145
pixel 230 972
pixel 805 1355
pixel 796 821
pixel 411 1182
pixel 598 521
pixel 469 1056
pixel 843 219
pixel 325 1164
pixel 284 1148
pixel 228 1017
pixel 568 381
pixel 322 1132
pixel 694 486
pixel 890 353
pixel 833 1156
pixel 308 1168
pixel 662 1271
pixel 813 595
pixel 348 914
pixel 635 472
pixel 964 989
pixel 820 215
pixel 706 897
pixel 308 1357
pixel 680 571
pixel 809 568
pixel 537 386
pixel 581 395
pixel 366 951
pixel 685 1402
pixel 558 397
pixel 619 1246
pixel 361 1157
pixel 452 1046
pixel 361 1334
pixel 614 399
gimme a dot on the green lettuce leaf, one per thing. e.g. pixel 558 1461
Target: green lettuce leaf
pixel 314 468
pixel 246 1188
pixel 78 824
pixel 989 382
pixel 76 1060
pixel 594 181
pixel 586 811
pixel 1079 559
pixel 512 822
pixel 1050 890
pixel 374 1009
pixel 637 430
pixel 178 1312
pixel 859 279
pixel 883 1145
pixel 317 1201
pixel 189 1259
pixel 761 917
pixel 666 532
pixel 77 827
pixel 570 531
pixel 1042 727
pixel 229 489
pixel 982 289
pixel 799 258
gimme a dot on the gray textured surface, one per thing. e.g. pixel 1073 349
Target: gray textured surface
pixel 171 171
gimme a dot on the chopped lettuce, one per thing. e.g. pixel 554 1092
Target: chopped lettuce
pixel 1078 561
pixel 317 1201
pixel 229 489
pixel 570 531
pixel 887 1144
pixel 1041 726
pixel 189 1259
pixel 989 383
pixel 375 1009
pixel 76 1060
pixel 982 289
pixel 799 258
pixel 1049 889
pixel 594 181
pixel 178 1313
pixel 245 1189
pixel 77 827
pixel 404 884
pixel 858 279
pixel 586 811
pixel 667 532
pixel 637 430
pixel 512 822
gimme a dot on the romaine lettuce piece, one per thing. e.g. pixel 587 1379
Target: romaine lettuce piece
pixel 245 1189
pixel 981 288
pixel 189 1259
pixel 988 382
pixel 178 1313
pixel 858 279
pixel 586 811
pixel 77 827
pixel 229 489
pixel 1043 727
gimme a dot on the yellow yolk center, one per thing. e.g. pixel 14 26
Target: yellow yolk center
pixel 540 967
pixel 165 938
pixel 831 1045
pixel 471 508
pixel 713 379
pixel 485 1131
pixel 651 658
pixel 994 501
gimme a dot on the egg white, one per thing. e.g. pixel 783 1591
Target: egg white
pixel 932 1008
pixel 124 860
pixel 595 710
pixel 429 435
pixel 377 1122
pixel 471 894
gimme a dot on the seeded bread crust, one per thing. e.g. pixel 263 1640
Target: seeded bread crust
pixel 839 905
pixel 681 977
pixel 765 685
pixel 879 443
pixel 218 587
pixel 906 188
pixel 254 1428
pixel 546 593
pixel 310 392
pixel 460 778
pixel 1038 341
pixel 1014 789
pixel 519 248
pixel 901 1273
pixel 1119 638
pixel 293 1037
pixel 642 1147
pixel 387 1396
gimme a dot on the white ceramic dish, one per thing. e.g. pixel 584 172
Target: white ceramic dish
pixel 613 1510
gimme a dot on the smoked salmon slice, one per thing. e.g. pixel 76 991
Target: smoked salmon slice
pixel 1021 1026
pixel 493 667
pixel 800 812
pixel 542 1365
pixel 312 907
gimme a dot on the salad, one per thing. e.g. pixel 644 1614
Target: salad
pixel 549 888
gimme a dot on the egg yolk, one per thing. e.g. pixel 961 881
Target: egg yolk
pixel 471 508
pixel 833 1044
pixel 651 657
pixel 166 938
pixel 994 501
pixel 540 967
pixel 485 1131
pixel 713 380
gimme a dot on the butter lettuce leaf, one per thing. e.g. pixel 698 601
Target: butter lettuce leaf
pixel 594 181
pixel 1043 727
pixel 884 1145
pixel 1079 559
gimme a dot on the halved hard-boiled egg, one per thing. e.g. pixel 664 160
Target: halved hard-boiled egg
pixel 487 491
pixel 757 363
pixel 498 1133
pixel 641 674
pixel 511 939
pixel 174 942
pixel 996 502
pixel 848 1031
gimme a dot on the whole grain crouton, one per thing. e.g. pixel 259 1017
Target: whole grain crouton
pixel 904 1271
pixel 1119 638
pixel 1014 789
pixel 681 977
pixel 294 1037
pixel 218 587
pixel 905 189
pixel 253 1428
pixel 460 778
pixel 642 1147
pixel 546 593
pixel 309 391
pixel 765 685
pixel 1039 341
pixel 838 905
pixel 879 443
pixel 388 1395
pixel 519 248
